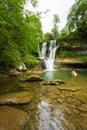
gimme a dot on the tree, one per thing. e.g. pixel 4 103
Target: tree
pixel 33 33
pixel 11 17
pixel 77 18
pixel 54 30
pixel 48 36
pixel 19 35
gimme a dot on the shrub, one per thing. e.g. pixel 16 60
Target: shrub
pixel 30 61
pixel 10 58
pixel 63 54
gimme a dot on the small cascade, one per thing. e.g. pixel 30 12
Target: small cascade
pixel 50 59
pixel 42 50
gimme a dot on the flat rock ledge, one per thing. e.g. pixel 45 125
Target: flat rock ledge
pixel 16 98
pixel 53 82
pixel 44 82
pixel 13 118
pixel 32 78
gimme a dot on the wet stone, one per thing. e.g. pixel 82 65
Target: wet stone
pixel 16 98
pixel 83 114
pixel 32 78
pixel 13 118
pixel 83 108
pixel 82 96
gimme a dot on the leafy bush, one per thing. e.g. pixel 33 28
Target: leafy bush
pixel 65 53
pixel 30 61
pixel 10 58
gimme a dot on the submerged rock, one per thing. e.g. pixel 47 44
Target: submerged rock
pixel 16 98
pixel 53 82
pixel 32 78
pixel 13 118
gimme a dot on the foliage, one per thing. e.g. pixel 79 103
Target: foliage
pixel 10 58
pixel 54 30
pixel 33 32
pixel 64 54
pixel 30 61
pixel 19 33
pixel 75 31
pixel 48 36
pixel 77 19
pixel 33 2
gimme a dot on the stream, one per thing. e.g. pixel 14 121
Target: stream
pixel 53 107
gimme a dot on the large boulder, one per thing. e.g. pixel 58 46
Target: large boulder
pixel 16 98
pixel 22 67
pixel 13 118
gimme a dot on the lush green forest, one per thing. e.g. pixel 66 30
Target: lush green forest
pixel 21 32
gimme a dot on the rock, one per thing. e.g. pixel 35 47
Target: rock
pixel 22 67
pixel 48 83
pixel 74 74
pixel 13 118
pixel 14 72
pixel 58 81
pixel 16 98
pixel 83 108
pixel 53 82
pixel 32 78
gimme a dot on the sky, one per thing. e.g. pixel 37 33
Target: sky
pixel 59 7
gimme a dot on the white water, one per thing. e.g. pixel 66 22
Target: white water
pixel 42 51
pixel 50 59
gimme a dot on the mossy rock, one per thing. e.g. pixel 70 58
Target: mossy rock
pixel 33 78
pixel 53 82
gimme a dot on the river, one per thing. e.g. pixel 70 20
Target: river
pixel 53 107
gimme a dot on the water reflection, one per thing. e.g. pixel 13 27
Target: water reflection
pixel 49 75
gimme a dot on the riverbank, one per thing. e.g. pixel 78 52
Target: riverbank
pixel 70 63
pixel 60 64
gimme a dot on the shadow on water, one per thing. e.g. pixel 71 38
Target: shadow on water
pixel 56 107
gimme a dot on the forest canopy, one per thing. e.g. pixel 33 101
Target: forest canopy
pixel 77 19
pixel 19 33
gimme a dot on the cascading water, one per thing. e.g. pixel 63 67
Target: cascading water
pixel 50 59
pixel 42 51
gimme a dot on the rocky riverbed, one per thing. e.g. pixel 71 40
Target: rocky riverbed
pixel 38 105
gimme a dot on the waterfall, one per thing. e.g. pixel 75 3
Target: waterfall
pixel 50 59
pixel 42 50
